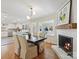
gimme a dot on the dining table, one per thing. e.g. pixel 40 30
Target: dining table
pixel 36 41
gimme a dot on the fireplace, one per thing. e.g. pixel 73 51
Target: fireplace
pixel 66 44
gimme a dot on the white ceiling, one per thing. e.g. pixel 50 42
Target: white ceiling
pixel 17 10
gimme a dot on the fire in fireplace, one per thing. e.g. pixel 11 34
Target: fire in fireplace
pixel 66 43
pixel 67 47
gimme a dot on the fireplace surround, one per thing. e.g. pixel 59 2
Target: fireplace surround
pixel 66 44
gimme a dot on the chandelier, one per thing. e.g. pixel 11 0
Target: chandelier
pixel 32 12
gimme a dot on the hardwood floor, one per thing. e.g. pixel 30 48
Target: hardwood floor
pixel 7 48
pixel 7 52
pixel 48 53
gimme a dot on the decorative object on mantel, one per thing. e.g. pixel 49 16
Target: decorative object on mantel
pixel 64 14
pixel 64 18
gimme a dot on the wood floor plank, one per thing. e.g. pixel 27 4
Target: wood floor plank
pixel 48 53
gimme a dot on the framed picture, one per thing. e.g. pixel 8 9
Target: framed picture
pixel 63 15
pixel 46 27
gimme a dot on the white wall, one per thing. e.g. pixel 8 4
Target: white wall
pixel 74 11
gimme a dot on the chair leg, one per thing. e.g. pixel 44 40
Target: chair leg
pixel 17 57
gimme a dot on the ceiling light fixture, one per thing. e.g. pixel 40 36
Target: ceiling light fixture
pixel 32 12
pixel 28 17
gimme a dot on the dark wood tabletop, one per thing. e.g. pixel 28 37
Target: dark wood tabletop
pixel 36 41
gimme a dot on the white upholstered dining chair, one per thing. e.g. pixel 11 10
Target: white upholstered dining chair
pixel 25 51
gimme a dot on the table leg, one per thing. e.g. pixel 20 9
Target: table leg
pixel 38 49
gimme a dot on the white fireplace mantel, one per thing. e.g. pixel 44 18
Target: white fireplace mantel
pixel 70 33
pixel 61 53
